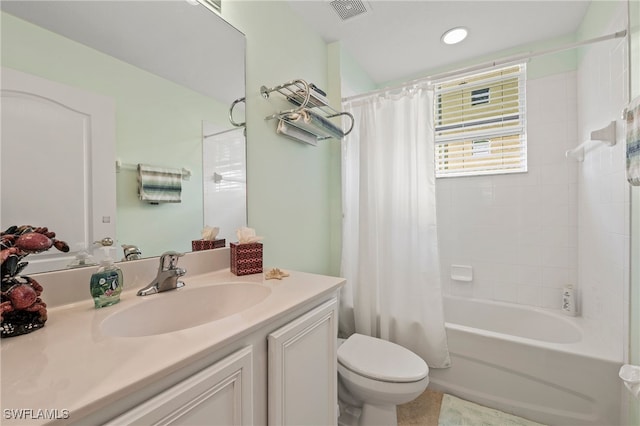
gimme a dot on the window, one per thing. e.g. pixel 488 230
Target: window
pixel 480 124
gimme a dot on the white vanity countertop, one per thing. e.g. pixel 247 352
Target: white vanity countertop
pixel 71 365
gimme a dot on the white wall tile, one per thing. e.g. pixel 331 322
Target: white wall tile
pixel 529 275
pixel 603 221
pixel 571 219
pixel 529 295
pixel 512 227
pixel 506 293
pixel 551 298
pixel 556 277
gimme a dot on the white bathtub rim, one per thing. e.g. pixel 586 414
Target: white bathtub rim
pixel 594 343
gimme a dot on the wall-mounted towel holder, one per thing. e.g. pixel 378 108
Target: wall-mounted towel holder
pixel 186 173
pixel 218 178
pixel 309 121
pixel 233 105
pixel 606 135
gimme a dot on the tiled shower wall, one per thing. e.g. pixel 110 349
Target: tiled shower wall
pixel 518 231
pixel 603 192
pixel 563 222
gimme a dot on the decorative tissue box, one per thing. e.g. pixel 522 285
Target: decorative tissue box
pixel 197 245
pixel 246 259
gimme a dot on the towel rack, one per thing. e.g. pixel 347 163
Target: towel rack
pixel 313 105
pixel 186 173
pixel 606 135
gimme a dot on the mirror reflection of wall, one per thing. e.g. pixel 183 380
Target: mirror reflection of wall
pixel 165 68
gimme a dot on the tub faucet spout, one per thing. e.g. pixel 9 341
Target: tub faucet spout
pixel 168 274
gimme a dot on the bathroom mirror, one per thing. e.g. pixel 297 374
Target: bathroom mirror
pixel 170 69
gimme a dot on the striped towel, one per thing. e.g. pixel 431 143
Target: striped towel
pixel 633 142
pixel 159 185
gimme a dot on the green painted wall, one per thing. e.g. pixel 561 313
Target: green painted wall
pixel 354 79
pixel 335 161
pixel 291 186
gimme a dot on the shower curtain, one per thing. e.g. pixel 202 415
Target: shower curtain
pixel 390 247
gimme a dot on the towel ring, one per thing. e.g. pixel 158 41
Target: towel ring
pixel 233 105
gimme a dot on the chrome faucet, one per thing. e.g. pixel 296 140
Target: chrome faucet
pixel 168 274
pixel 131 252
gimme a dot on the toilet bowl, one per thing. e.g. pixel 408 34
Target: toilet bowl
pixel 375 376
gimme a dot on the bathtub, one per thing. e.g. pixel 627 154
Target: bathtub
pixel 530 362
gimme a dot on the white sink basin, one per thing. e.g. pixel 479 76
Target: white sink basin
pixel 183 308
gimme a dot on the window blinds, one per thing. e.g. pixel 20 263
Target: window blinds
pixel 480 124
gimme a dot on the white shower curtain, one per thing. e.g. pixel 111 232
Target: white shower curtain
pixel 390 247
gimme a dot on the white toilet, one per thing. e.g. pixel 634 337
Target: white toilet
pixel 374 376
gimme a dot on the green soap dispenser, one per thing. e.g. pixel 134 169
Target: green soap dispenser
pixel 106 283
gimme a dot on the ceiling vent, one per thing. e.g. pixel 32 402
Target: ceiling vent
pixel 348 9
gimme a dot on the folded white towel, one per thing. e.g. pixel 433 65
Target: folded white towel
pixel 633 142
pixel 315 123
pixel 159 185
pixel 292 132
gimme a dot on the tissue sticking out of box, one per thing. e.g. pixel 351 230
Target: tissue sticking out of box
pixel 247 235
pixel 210 233
pixel 275 274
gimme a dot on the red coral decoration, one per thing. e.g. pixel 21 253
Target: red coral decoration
pixel 21 309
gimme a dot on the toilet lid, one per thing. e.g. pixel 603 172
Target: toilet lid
pixel 381 360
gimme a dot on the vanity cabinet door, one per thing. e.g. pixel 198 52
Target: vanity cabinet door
pixel 218 395
pixel 303 369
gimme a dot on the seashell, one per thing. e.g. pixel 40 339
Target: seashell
pixel 276 273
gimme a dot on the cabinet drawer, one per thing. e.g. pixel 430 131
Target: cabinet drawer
pixel 221 394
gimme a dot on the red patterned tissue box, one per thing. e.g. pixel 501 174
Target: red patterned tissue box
pixel 246 259
pixel 197 245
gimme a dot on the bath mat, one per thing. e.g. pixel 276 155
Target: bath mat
pixel 458 412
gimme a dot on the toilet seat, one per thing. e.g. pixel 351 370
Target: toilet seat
pixel 381 360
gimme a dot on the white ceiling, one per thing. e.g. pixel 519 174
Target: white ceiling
pixel 397 39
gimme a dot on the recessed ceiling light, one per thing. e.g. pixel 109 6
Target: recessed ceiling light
pixel 454 35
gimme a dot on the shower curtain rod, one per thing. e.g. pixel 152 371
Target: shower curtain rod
pixel 509 60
